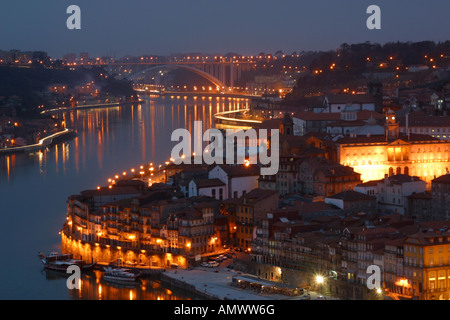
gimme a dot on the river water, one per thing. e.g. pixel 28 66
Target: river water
pixel 34 189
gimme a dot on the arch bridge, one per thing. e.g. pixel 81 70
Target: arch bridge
pixel 222 74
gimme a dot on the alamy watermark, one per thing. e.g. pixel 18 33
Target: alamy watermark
pixel 374 280
pixel 73 281
pixel 236 147
pixel 74 20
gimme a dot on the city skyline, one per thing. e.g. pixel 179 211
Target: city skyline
pixel 137 28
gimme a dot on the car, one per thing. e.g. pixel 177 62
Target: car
pixel 204 264
pixel 174 266
pixel 213 264
pixel 230 266
pixel 320 298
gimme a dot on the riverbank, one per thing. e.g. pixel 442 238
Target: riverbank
pixel 43 143
pixel 216 284
pixel 89 106
pixel 236 118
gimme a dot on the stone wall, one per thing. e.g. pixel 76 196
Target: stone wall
pixel 336 288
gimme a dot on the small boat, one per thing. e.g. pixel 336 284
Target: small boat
pixel 120 275
pixel 60 262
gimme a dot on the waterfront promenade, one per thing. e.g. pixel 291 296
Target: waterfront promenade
pixel 43 143
pixel 216 283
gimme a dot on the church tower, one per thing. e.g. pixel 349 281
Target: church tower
pixel 287 125
pixel 392 126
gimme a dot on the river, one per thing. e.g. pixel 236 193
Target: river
pixel 34 189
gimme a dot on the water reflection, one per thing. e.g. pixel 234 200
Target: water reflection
pixel 34 187
pixel 92 286
pixel 142 131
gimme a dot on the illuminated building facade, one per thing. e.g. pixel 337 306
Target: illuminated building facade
pixel 152 229
pixel 411 154
pixel 427 265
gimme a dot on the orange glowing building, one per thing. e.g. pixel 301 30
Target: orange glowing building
pixel 427 264
pixel 374 156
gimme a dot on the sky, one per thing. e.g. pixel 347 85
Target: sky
pixel 247 27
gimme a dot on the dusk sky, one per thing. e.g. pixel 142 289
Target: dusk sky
pixel 140 27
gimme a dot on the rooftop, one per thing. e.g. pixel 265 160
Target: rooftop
pixel 382 139
pixel 240 170
pixel 442 179
pixel 206 183
pixel 350 195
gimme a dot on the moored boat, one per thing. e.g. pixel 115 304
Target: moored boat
pixel 60 262
pixel 120 275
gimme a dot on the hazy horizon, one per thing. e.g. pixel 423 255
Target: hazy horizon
pixel 137 28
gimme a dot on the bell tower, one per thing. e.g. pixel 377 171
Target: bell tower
pixel 287 125
pixel 392 126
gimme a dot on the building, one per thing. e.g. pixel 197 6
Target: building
pixel 351 202
pixel 213 188
pixel 393 192
pixel 393 153
pixel 238 179
pixel 338 102
pixel 249 210
pixel 323 177
pixel 190 231
pixel 420 122
pixel 420 207
pixel 440 197
pixel 427 262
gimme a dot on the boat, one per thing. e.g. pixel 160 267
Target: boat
pixel 60 262
pixel 120 275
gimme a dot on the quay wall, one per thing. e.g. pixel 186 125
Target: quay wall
pixel 45 142
pixel 332 287
pixel 185 286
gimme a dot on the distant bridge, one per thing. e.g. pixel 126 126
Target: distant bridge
pixel 220 73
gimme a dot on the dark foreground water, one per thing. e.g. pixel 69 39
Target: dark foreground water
pixel 34 189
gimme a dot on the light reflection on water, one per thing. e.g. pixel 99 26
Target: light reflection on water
pixel 92 286
pixel 34 187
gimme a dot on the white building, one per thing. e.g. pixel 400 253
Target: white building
pixel 338 102
pixel 213 188
pixel 238 179
pixel 393 192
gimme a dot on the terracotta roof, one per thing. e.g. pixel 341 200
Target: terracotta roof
pixel 350 195
pixel 313 116
pixel 402 178
pixel 382 139
pixel 421 195
pixel 350 98
pixel 207 183
pixel 240 170
pixel 329 167
pixel 371 183
pixel 442 179
pixel 258 194
pixel 421 119
pixel 108 192
pixel 367 114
